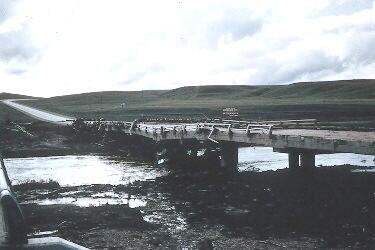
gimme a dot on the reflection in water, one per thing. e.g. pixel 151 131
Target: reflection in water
pixel 82 170
pixel 260 159
pixel 74 170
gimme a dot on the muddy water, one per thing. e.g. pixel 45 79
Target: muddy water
pixel 73 170
pixel 91 180
pixel 263 159
pixel 78 171
pixel 81 175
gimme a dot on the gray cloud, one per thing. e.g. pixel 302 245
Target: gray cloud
pixel 313 64
pixel 346 7
pixel 236 22
pixel 15 71
pixel 275 49
pixel 205 42
pixel 16 45
pixel 6 9
pixel 310 63
pixel 16 48
pixel 361 48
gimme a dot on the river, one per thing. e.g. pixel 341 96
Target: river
pixel 77 170
pixel 98 180
pixel 83 170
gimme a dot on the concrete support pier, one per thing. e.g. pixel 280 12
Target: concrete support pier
pixel 229 155
pixel 301 159
pixel 307 160
pixel 293 160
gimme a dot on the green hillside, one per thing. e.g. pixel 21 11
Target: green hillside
pixel 348 89
pixel 336 100
pixel 5 95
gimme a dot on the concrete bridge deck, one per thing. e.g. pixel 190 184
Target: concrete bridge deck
pixel 301 144
pixel 319 141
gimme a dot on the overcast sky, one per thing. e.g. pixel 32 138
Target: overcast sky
pixel 56 47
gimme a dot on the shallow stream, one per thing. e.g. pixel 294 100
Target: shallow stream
pixel 91 180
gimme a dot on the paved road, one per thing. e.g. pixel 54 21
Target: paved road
pixel 39 114
pixel 325 134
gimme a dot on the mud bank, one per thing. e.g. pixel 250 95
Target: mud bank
pixel 325 207
pixel 42 140
pixel 52 140
pixel 332 204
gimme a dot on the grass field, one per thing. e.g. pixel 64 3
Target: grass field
pixel 338 101
pixel 4 96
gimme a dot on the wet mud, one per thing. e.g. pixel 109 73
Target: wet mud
pixel 324 207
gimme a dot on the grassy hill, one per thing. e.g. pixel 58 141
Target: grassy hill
pixel 335 100
pixel 346 89
pixel 4 95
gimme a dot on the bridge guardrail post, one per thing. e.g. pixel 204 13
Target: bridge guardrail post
pixel 213 131
pixel 270 129
pixel 230 132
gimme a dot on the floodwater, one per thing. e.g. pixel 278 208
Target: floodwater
pixel 73 170
pixel 80 176
pixel 263 159
pixel 83 170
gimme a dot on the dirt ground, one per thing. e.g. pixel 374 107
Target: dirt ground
pixel 326 207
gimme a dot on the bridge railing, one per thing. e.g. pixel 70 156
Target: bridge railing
pixel 249 126
pixel 277 123
pixel 198 128
pixel 230 127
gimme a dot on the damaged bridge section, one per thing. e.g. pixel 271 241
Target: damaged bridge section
pixel 300 144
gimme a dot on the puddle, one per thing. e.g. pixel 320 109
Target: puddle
pixel 89 201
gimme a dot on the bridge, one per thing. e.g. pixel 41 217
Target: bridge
pixel 300 139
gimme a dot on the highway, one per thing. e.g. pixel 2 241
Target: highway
pixel 38 113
